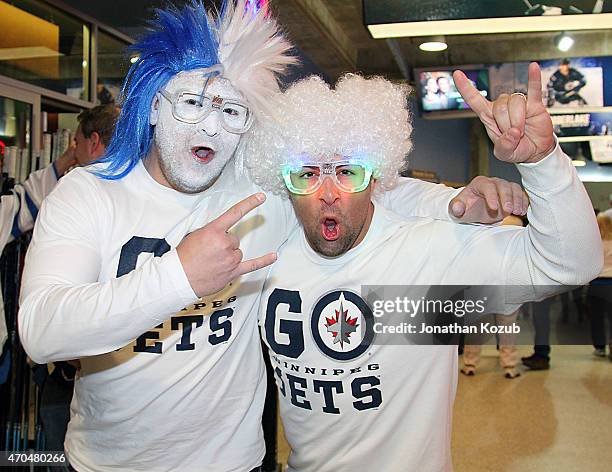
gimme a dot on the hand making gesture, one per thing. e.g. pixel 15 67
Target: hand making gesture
pixel 211 256
pixel 519 125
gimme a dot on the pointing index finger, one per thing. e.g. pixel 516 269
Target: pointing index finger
pixel 470 94
pixel 534 85
pixel 232 216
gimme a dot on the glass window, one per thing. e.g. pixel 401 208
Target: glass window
pixel 113 64
pixel 43 46
pixel 15 138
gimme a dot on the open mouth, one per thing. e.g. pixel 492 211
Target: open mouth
pixel 203 153
pixel 330 229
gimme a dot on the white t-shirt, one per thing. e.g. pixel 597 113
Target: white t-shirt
pixel 102 270
pixel 350 404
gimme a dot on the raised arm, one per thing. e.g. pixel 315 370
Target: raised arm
pixel 561 244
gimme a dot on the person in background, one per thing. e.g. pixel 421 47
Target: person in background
pixel 19 208
pixel 599 298
pixel 18 212
pixel 540 359
pixel 93 135
pixel 508 352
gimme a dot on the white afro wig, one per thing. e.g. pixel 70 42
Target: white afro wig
pixel 364 118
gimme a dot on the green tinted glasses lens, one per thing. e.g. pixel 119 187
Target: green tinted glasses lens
pixel 304 179
pixel 351 177
pixel 348 177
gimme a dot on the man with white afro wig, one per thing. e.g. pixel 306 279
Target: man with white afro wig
pixel 363 385
pixel 365 120
pixel 362 118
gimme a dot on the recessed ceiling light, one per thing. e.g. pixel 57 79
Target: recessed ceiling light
pixel 564 42
pixel 433 44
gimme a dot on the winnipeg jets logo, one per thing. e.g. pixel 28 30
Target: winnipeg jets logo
pixel 342 325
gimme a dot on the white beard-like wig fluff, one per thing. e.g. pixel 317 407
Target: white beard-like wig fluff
pixel 365 118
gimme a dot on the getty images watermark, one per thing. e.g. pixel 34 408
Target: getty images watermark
pixel 415 310
pixel 344 323
pixel 441 314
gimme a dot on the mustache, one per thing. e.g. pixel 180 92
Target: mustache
pixel 330 211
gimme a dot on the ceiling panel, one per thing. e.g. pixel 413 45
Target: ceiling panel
pixel 331 33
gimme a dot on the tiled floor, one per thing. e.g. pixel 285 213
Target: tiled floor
pixel 557 420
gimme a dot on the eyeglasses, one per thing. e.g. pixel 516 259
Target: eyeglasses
pixel 191 107
pixel 350 177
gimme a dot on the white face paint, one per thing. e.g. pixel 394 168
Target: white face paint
pixel 192 156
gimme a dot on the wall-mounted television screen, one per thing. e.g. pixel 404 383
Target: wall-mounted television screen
pixel 437 89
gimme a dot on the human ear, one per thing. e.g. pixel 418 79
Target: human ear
pixel 154 115
pixel 95 140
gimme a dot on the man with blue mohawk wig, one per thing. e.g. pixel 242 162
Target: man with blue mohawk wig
pixel 110 272
pixel 138 268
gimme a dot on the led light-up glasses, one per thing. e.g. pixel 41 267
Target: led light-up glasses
pixel 349 176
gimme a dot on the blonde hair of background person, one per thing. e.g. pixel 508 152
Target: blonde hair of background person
pixel 605 226
pixel 508 352
pixel 604 221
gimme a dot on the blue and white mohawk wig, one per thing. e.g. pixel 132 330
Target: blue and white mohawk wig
pixel 243 38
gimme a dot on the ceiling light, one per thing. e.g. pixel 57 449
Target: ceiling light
pixel 381 29
pixel 564 42
pixel 578 163
pixel 433 44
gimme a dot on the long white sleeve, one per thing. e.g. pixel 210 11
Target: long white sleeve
pixel 562 239
pixel 413 197
pixel 560 246
pixel 19 209
pixel 66 312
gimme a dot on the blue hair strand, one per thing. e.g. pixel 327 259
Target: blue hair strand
pixel 178 40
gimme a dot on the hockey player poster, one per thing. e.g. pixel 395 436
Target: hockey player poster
pixel 573 82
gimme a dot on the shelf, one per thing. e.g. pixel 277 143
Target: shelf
pixel 577 139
